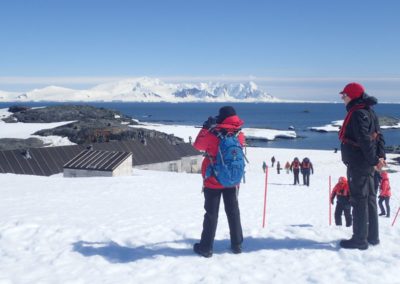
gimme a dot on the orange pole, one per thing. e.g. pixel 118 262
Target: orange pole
pixel 265 196
pixel 394 220
pixel 329 200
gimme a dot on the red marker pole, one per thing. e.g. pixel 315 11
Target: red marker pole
pixel 329 200
pixel 396 216
pixel 265 195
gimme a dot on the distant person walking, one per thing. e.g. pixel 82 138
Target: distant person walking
pixel 295 168
pixel 341 192
pixel 306 169
pixel 362 149
pixel 226 123
pixel 264 166
pixel 384 195
pixel 287 167
pixel 272 161
pixel 278 167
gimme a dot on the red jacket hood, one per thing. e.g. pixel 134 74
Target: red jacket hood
pixel 231 122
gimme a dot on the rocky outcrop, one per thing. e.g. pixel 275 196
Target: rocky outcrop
pixel 66 113
pixel 90 125
pixel 103 130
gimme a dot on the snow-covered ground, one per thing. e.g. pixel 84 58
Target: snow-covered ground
pixel 25 130
pixel 141 229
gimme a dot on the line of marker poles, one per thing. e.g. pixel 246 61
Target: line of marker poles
pixel 265 196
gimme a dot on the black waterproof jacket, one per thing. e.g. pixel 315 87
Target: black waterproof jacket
pixel 364 143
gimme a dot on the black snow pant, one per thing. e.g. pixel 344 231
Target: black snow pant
pixel 363 200
pixel 343 206
pixel 211 205
pixel 386 199
pixel 306 177
pixel 296 176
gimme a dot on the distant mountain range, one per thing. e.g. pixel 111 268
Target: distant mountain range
pixel 147 90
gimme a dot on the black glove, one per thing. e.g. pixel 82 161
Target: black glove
pixel 332 201
pixel 211 121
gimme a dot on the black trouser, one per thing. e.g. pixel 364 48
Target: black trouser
pixel 306 177
pixel 363 200
pixel 211 205
pixel 386 199
pixel 296 176
pixel 343 206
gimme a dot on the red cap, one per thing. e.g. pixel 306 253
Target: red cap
pixel 353 90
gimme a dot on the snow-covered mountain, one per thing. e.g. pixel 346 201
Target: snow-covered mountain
pixel 146 89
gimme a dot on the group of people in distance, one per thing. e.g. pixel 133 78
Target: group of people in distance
pixel 362 152
pixel 305 167
pixel 342 193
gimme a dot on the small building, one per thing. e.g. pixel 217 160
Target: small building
pixel 154 154
pixel 90 163
pixel 191 159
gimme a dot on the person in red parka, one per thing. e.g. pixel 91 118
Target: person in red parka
pixel 207 141
pixel 341 192
pixel 384 195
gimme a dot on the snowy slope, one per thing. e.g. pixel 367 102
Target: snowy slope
pixel 146 89
pixel 140 229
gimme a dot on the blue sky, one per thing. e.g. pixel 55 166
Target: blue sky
pixel 291 48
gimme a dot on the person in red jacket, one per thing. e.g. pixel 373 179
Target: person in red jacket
pixel 384 195
pixel 341 192
pixel 207 141
pixel 295 168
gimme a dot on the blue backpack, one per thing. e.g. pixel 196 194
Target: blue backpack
pixel 228 168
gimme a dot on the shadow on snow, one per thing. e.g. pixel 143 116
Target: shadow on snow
pixel 115 253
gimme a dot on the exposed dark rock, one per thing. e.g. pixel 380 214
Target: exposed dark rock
pixel 388 121
pixel 103 130
pixel 17 108
pixel 14 143
pixel 67 113
pixel 91 125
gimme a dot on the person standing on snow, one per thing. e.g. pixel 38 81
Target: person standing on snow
pixel 362 149
pixel 207 141
pixel 287 167
pixel 341 192
pixel 384 195
pixel 295 168
pixel 306 168
pixel 272 161
pixel 278 167
pixel 264 166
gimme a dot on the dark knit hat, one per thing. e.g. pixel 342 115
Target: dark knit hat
pixel 225 112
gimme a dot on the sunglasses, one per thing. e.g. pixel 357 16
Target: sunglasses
pixel 343 96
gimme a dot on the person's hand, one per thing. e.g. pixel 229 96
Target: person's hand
pixel 381 163
pixel 209 122
pixel 332 201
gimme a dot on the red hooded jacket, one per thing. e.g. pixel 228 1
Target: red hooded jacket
pixel 208 142
pixel 385 186
pixel 341 189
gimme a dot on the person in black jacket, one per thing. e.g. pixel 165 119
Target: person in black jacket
pixel 362 148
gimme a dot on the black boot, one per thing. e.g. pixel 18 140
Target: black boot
pixel 382 214
pixel 236 249
pixel 354 244
pixel 374 242
pixel 197 249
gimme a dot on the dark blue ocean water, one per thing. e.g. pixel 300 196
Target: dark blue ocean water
pixel 258 115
